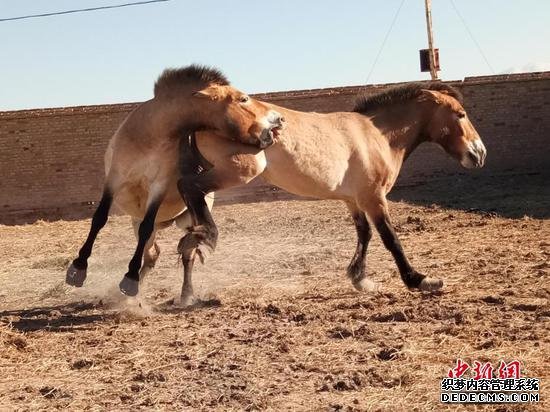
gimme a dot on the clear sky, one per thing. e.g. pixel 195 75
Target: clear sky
pixel 115 55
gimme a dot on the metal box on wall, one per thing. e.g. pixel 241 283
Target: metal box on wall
pixel 425 60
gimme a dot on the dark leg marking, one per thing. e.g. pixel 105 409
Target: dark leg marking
pixel 191 161
pixel 204 230
pixel 130 282
pixel 356 269
pixel 193 186
pixel 76 274
pixel 410 276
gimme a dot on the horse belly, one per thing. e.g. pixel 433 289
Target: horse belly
pixel 132 200
pixel 172 205
pixel 311 180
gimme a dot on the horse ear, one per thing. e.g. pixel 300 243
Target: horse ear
pixel 431 95
pixel 207 93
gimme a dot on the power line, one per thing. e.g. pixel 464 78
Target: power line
pixel 384 41
pixel 472 36
pixel 30 16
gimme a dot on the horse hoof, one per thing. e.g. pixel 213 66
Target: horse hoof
pixel 186 301
pixel 366 285
pixel 129 287
pixel 75 277
pixel 430 284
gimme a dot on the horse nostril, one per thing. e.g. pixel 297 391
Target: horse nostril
pixel 281 119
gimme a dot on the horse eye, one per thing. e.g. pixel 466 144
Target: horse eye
pixel 461 115
pixel 243 99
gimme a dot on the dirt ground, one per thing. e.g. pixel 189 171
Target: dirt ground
pixel 283 328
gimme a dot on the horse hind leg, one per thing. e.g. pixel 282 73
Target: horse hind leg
pixel 377 211
pixel 356 270
pixel 76 273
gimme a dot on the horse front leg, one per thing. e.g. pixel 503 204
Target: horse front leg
pixel 76 273
pixel 235 165
pixel 194 189
pixel 203 234
pixel 378 212
pixel 187 248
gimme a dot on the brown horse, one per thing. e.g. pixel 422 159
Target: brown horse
pixel 355 157
pixel 142 161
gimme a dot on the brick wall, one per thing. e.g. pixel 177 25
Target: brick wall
pixel 51 160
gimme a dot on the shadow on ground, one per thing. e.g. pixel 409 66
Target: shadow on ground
pixel 60 318
pixel 512 196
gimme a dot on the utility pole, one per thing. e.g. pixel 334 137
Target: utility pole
pixel 433 69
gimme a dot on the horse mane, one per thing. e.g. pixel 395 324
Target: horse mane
pixel 401 94
pixel 177 77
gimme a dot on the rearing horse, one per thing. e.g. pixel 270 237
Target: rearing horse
pixel 352 156
pixel 143 160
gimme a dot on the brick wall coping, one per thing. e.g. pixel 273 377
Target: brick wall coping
pixel 514 77
pixel 282 95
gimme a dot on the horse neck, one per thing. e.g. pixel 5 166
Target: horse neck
pixel 403 125
pixel 186 112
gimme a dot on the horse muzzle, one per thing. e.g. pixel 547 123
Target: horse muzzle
pixel 475 155
pixel 274 125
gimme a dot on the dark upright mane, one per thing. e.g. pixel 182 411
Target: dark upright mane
pixel 402 94
pixel 171 78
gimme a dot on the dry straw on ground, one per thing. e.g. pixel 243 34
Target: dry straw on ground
pixel 284 329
